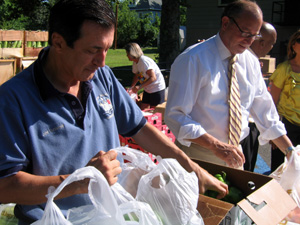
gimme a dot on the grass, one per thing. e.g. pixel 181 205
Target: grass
pixel 117 57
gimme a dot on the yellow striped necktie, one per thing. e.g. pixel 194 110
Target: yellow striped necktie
pixel 235 115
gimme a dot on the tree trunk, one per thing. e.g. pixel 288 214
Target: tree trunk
pixel 169 32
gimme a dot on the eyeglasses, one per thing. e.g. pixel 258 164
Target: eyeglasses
pixel 298 40
pixel 245 34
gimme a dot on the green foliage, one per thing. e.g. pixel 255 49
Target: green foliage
pixel 33 15
pixel 128 24
pixel 183 10
pixel 149 31
pixel 21 14
pixel 11 16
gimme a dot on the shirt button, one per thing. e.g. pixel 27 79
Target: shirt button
pixel 73 103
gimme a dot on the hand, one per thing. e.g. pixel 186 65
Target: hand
pixel 107 164
pixel 230 154
pixel 135 89
pixel 209 182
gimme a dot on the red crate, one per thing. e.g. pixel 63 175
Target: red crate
pixel 137 147
pixel 154 119
pixel 123 141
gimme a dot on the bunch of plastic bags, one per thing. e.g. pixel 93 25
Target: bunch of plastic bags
pixel 288 176
pixel 146 194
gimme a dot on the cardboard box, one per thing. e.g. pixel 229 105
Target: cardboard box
pixel 11 35
pixel 161 109
pixel 265 204
pixel 34 36
pixel 268 64
pixel 7 69
pixel 24 62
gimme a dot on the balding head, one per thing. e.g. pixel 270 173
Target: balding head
pixel 240 8
pixel 241 23
pixel 264 45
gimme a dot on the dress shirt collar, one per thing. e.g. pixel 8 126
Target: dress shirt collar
pixel 223 50
pixel 250 50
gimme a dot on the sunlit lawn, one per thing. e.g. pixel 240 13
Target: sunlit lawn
pixel 117 57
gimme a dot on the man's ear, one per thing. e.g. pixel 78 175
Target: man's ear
pixel 262 43
pixel 58 42
pixel 225 22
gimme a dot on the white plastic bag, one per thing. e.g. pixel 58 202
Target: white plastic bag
pixel 172 193
pixel 288 176
pixel 138 165
pixel 135 212
pixel 132 95
pixel 104 208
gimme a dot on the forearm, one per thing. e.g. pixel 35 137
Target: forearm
pixel 134 80
pixel 147 82
pixel 209 142
pixel 162 145
pixel 24 188
pixel 283 142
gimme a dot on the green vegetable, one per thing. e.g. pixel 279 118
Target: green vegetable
pixel 19 44
pixel 38 44
pixel 235 195
pixel 14 44
pixel 220 177
pixel 29 44
pixel 33 44
pixel 211 193
pixel 5 44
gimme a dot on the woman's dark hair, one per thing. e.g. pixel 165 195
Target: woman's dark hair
pixel 290 51
pixel 67 17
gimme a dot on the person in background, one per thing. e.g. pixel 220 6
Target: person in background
pixel 285 91
pixel 66 111
pixel 197 110
pixel 149 76
pixel 260 48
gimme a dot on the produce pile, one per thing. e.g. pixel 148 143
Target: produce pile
pixel 235 195
pixel 18 44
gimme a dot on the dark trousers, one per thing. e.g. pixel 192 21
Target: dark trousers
pixel 250 147
pixel 293 132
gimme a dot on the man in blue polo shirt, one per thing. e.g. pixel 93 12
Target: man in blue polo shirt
pixel 65 112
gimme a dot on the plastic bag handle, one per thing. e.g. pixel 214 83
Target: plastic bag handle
pixel 126 154
pixel 97 189
pixel 137 158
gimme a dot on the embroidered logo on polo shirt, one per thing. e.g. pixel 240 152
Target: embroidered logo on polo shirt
pixel 53 130
pixel 105 103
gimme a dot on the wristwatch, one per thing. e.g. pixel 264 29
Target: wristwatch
pixel 289 149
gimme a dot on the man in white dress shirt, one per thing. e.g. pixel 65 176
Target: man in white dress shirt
pixel 197 108
pixel 260 48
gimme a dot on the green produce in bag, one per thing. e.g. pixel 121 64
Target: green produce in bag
pixel 7 216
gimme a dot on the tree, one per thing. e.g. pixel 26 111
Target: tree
pixel 149 30
pixel 128 24
pixel 169 32
pixel 25 14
